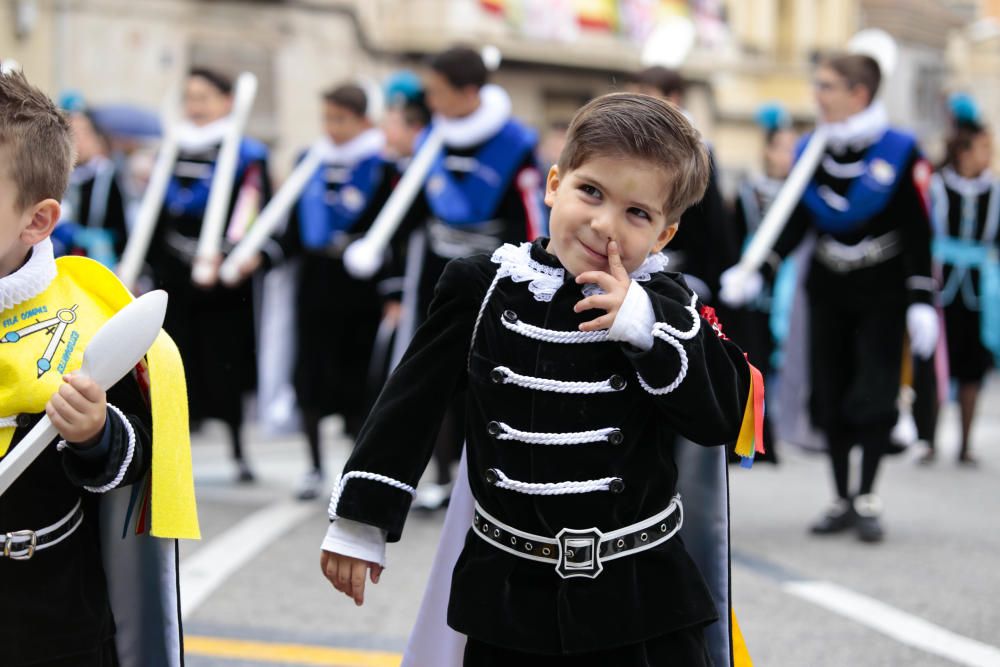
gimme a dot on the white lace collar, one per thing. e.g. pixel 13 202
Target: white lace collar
pixel 543 281
pixel 195 138
pixel 348 154
pixel 31 279
pixel 967 187
pixel 858 131
pixel 482 124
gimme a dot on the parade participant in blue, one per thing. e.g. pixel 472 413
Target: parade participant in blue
pixel 340 200
pixel 580 358
pixel 482 191
pixel 869 281
pixel 212 324
pixel 751 325
pixel 705 244
pixel 965 197
pixel 82 580
pixel 93 208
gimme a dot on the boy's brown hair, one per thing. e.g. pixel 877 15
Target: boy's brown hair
pixel 646 128
pixel 348 96
pixel 857 70
pixel 35 139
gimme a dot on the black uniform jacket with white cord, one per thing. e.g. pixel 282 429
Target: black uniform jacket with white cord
pixel 517 316
pixel 56 604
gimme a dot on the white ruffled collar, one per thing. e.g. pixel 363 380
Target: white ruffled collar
pixel 31 279
pixel 544 281
pixel 196 138
pixel 858 131
pixel 368 143
pixel 967 187
pixel 482 124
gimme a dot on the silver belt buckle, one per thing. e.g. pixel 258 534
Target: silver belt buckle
pixel 579 553
pixel 8 543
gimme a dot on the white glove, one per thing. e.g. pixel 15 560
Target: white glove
pixel 737 287
pixel 922 325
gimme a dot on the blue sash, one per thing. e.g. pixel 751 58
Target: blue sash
pixel 192 200
pixel 473 198
pixel 868 194
pixel 323 213
pixel 964 254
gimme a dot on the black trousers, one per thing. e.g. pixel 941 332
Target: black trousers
pixel 105 656
pixel 684 648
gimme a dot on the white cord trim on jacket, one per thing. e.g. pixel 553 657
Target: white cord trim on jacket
pixel 681 374
pixel 479 317
pixel 677 333
pixel 572 438
pixel 554 336
pixel 552 489
pixel 557 386
pixel 129 455
pixel 8 422
pixel 370 476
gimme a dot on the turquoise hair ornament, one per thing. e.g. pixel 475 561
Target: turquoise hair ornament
pixel 403 87
pixel 772 117
pixel 72 101
pixel 964 109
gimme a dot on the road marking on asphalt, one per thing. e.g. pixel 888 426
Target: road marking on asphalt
pixel 901 626
pixel 207 568
pixel 294 654
pixel 875 614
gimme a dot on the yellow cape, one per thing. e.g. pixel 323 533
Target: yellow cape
pixel 43 338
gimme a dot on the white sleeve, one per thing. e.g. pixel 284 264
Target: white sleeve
pixel 635 319
pixel 357 540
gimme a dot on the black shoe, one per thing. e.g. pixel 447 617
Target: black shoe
pixel 838 518
pixel 244 474
pixel 868 509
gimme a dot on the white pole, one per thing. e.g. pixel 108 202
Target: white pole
pixel 141 235
pixel 788 197
pixel 272 215
pixel 212 227
pixel 364 257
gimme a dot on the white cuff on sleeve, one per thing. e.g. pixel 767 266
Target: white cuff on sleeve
pixel 357 540
pixel 635 319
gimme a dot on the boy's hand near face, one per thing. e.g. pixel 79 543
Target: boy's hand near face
pixel 348 574
pixel 615 285
pixel 78 410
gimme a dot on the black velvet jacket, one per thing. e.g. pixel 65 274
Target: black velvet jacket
pixel 497 597
pixel 56 604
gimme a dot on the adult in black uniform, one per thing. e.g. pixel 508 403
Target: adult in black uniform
pixel 869 280
pixel 213 326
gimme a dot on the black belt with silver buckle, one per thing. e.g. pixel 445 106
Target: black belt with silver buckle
pixel 581 553
pixel 22 544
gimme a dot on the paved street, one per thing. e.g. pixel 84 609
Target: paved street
pixel 926 597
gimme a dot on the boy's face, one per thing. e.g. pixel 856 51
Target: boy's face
pixel 608 199
pixel 20 228
pixel 85 139
pixel 400 136
pixel 204 103
pixel 341 124
pixel 447 100
pixel 836 99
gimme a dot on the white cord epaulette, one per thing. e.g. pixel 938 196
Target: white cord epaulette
pixel 8 422
pixel 672 336
pixel 552 489
pixel 556 386
pixel 126 462
pixel 371 476
pixel 574 438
